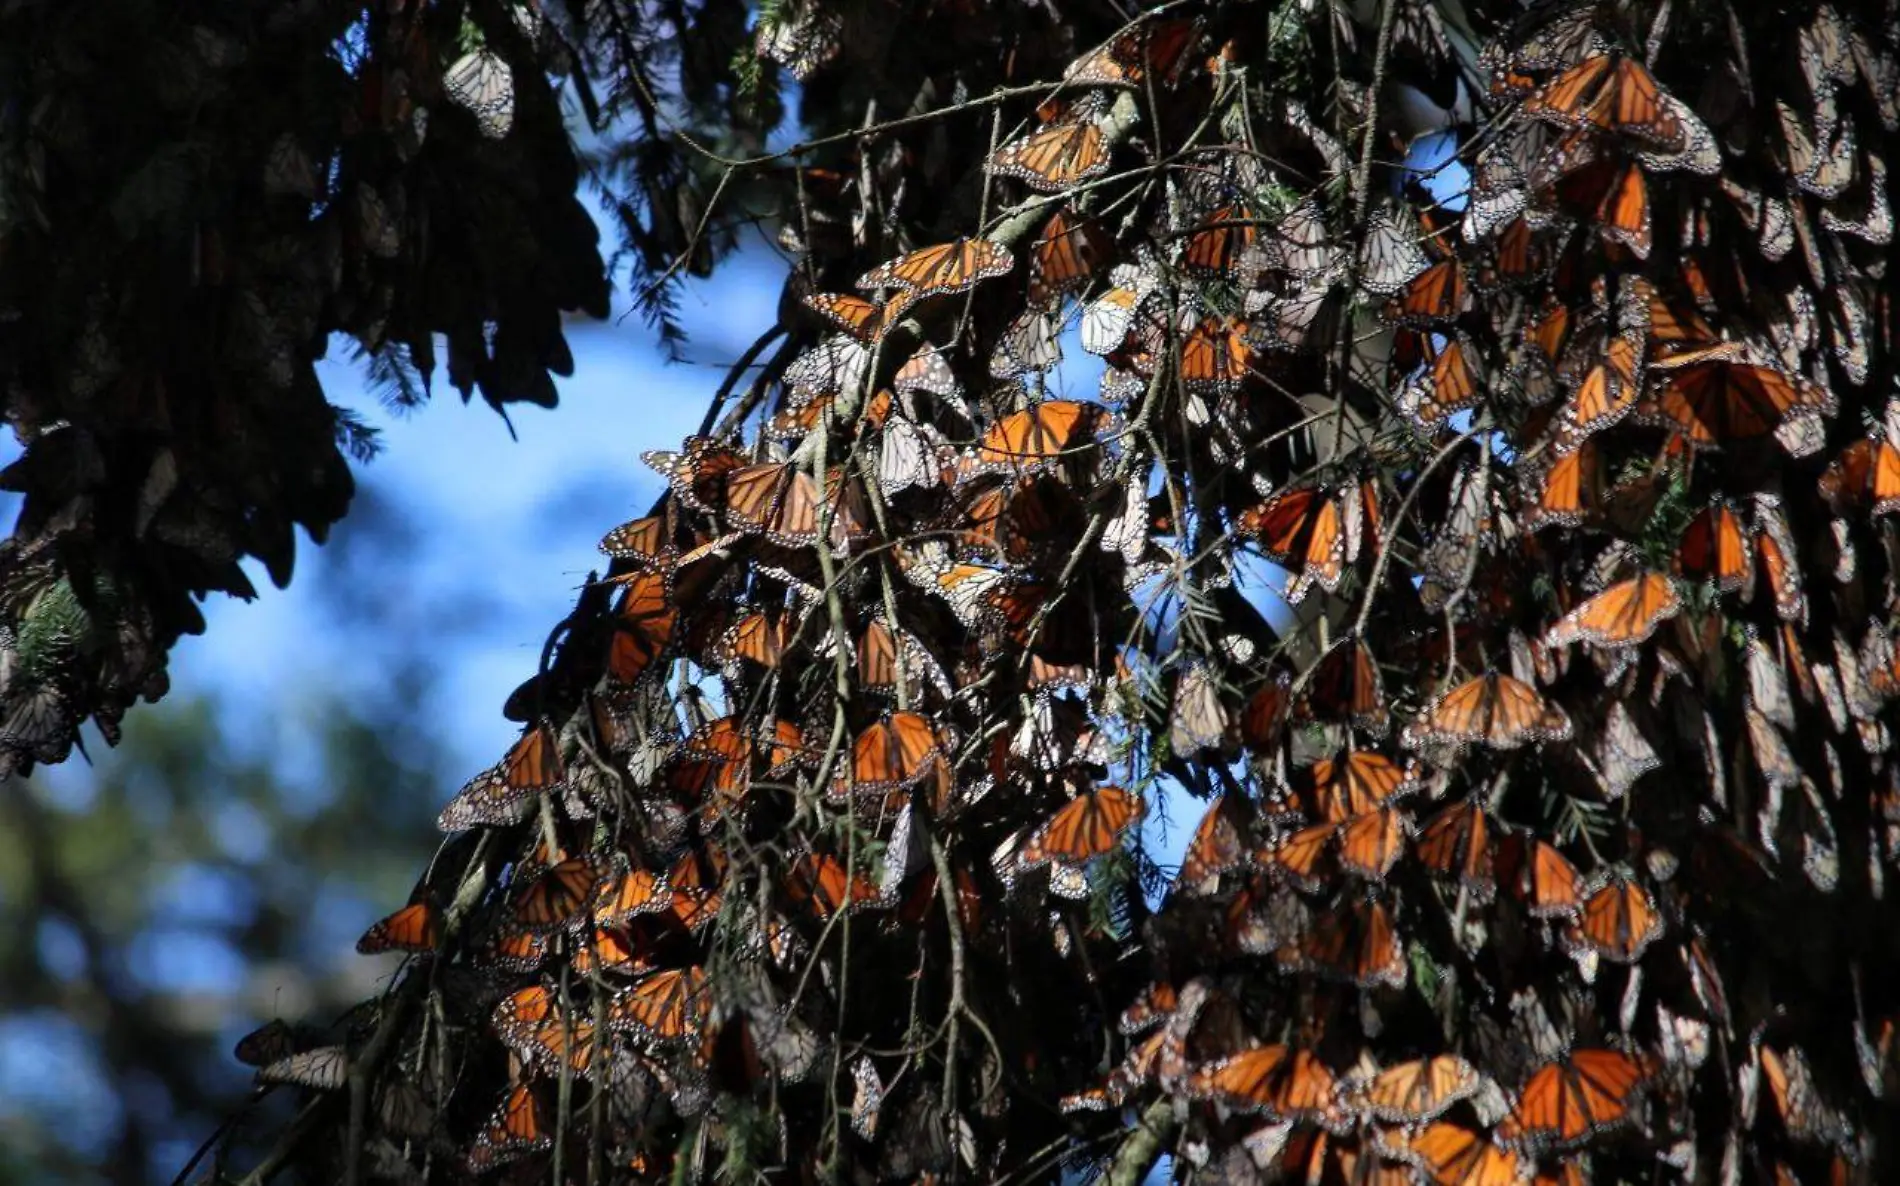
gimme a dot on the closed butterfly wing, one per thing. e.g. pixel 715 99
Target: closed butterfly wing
pixel 324 1068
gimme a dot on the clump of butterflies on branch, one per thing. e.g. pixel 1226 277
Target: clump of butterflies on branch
pixel 1495 578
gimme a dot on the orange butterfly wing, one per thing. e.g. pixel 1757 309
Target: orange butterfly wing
pixel 1088 826
pixel 1054 158
pixel 1565 1103
pixel 1625 614
pixel 1619 921
pixel 417 927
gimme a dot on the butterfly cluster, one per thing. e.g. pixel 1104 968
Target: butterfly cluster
pixel 162 321
pixel 1509 576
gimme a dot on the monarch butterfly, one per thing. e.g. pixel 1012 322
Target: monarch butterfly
pixel 927 370
pixel 911 454
pixel 266 1044
pixel 1797 1098
pixel 1623 753
pixel 1065 254
pixel 694 883
pixel 1821 164
pixel 760 638
pixel 1714 547
pixel 1356 943
pixel 1623 615
pixel 1197 722
pixel 882 652
pixel 1437 392
pixel 1279 1081
pixel 1522 255
pixel 1264 717
pixel 1435 296
pixel 1298 244
pixel 824 883
pixel 1262 918
pixel 867 1098
pixel 1391 259
pixel 1606 395
pixel 1300 857
pixel 1543 877
pixel 1458 843
pixel 1352 783
pixel 1106 319
pixel 1492 709
pixel 610 950
pixel 1344 685
pixel 1447 565
pixel 1315 1155
pixel 942 269
pixel 1029 344
pixel 1371 843
pixel 1087 826
pixel 1871 220
pixel 1215 356
pixel 1721 400
pixel 697 474
pixel 890 755
pixel 1569 1101
pixel 1866 472
pixel 517 950
pixel 1217 846
pixel 500 794
pixel 781 501
pixel 642 542
pixel 643 627
pixel 1217 246
pixel 1452 1155
pixel 530 1022
pixel 1315 532
pixel 1610 93
pixel 325 1068
pixel 417 927
pixel 1622 211
pixel 669 1006
pixel 1780 565
pixel 1155 1005
pixel 864 320
pixel 557 896
pixel 1155 49
pixel 1619 920
pixel 631 891
pixel 1416 1091
pixel 1034 437
pixel 516 1129
pixel 1055 157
